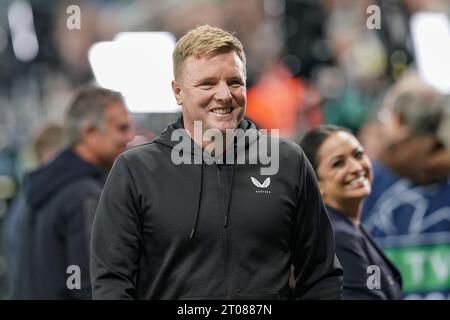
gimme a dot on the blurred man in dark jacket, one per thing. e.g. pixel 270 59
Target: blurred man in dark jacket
pixel 61 198
pixel 46 143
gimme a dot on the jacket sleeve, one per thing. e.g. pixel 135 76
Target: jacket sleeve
pixel 115 241
pixel 318 274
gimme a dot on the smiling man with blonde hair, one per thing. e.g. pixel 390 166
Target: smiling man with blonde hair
pixel 212 229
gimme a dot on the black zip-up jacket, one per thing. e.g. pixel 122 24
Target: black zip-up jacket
pixel 208 231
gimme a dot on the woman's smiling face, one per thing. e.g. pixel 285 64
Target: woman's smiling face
pixel 344 171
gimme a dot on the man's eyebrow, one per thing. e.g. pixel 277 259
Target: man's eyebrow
pixel 206 79
pixel 236 78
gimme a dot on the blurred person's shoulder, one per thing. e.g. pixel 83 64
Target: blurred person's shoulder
pixel 80 188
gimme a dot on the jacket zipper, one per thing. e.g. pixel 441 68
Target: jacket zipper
pixel 226 244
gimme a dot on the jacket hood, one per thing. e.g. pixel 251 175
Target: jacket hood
pixel 242 141
pixel 63 169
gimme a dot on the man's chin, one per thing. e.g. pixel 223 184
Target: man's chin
pixel 223 126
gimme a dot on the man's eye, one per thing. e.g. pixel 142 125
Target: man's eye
pixel 206 86
pixel 236 84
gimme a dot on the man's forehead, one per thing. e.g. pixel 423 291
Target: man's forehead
pixel 213 56
pixel 205 64
pixel 117 111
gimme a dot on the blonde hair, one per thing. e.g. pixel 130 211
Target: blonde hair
pixel 205 41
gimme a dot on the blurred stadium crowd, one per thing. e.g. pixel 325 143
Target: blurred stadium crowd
pixel 309 62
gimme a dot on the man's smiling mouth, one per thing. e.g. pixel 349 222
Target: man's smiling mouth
pixel 222 110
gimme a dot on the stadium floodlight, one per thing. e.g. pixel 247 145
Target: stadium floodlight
pixel 139 65
pixel 430 33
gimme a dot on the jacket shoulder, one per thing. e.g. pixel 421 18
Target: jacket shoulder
pixel 142 149
pixel 289 151
pixel 344 233
pixel 84 185
pixel 146 152
pixel 77 192
pixel 289 146
pixel 149 158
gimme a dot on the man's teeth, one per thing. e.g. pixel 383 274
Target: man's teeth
pixel 358 181
pixel 222 111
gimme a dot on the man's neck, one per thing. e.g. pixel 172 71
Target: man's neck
pixel 213 147
pixel 87 155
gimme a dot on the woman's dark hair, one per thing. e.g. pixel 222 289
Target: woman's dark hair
pixel 314 139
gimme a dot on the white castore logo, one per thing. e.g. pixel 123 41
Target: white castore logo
pixel 265 184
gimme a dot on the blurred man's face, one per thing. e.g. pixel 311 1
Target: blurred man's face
pixel 112 138
pixel 212 90
pixel 393 129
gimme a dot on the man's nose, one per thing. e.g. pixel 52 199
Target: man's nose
pixel 130 134
pixel 223 93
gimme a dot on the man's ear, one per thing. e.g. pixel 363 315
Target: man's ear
pixel 86 133
pixel 402 129
pixel 177 92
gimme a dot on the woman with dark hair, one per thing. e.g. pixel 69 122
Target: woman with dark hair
pixel 344 175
